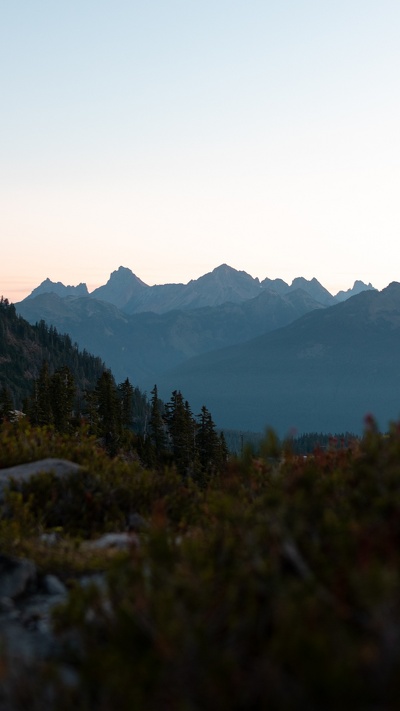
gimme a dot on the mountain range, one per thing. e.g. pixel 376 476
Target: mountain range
pixel 224 284
pixel 143 345
pixel 324 372
pixel 255 352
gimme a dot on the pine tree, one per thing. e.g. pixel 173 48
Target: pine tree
pixel 6 404
pixel 207 439
pixel 108 412
pixel 62 397
pixel 181 432
pixel 211 447
pixel 39 407
pixel 157 426
pixel 125 393
pixel 223 450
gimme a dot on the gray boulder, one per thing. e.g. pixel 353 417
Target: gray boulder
pixel 24 472
pixel 17 576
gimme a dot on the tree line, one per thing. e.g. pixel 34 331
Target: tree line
pixel 24 348
pixel 122 418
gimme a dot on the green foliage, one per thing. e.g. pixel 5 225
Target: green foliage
pixel 21 442
pixel 197 449
pixel 157 428
pixel 274 583
pixel 24 349
pixel 53 399
pixel 181 430
pixel 307 443
pixel 102 496
pixel 6 404
pixel 125 396
pixel 283 593
pixel 98 498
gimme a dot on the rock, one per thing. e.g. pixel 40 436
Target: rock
pixel 27 638
pixel 136 522
pixel 17 576
pixel 24 472
pixel 98 580
pixel 121 541
pixel 26 634
pixel 7 607
pixel 50 539
pixel 53 585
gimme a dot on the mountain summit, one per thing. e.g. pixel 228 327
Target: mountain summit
pixel 122 286
pixel 357 288
pixel 223 284
pixel 47 286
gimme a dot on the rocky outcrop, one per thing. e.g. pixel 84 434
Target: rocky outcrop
pixel 117 541
pixel 28 596
pixel 26 634
pixel 24 472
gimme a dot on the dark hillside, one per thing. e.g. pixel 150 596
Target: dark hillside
pixel 24 348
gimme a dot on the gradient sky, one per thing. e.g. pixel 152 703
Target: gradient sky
pixel 170 136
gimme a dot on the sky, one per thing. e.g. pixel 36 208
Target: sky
pixel 171 136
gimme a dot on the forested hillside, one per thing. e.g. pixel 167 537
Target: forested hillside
pixel 24 348
pixel 65 389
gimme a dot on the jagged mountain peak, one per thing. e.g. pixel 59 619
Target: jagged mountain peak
pixel 315 289
pixel 121 287
pixel 300 281
pixel 223 284
pixel 357 288
pixel 225 273
pixel 57 287
pixel 124 275
pixel 278 285
pixel 358 283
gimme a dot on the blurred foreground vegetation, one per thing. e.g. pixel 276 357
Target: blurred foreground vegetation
pixel 272 584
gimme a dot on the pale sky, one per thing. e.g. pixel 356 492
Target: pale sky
pixel 170 136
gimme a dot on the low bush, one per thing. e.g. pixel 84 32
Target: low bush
pixel 275 587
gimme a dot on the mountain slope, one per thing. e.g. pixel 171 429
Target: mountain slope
pixel 144 345
pixel 24 347
pixel 323 372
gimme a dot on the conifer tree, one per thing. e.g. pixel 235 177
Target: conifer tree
pixel 108 411
pixel 62 395
pixel 208 443
pixel 6 404
pixel 125 393
pixel 39 407
pixel 157 426
pixel 223 449
pixel 181 432
pixel 192 454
